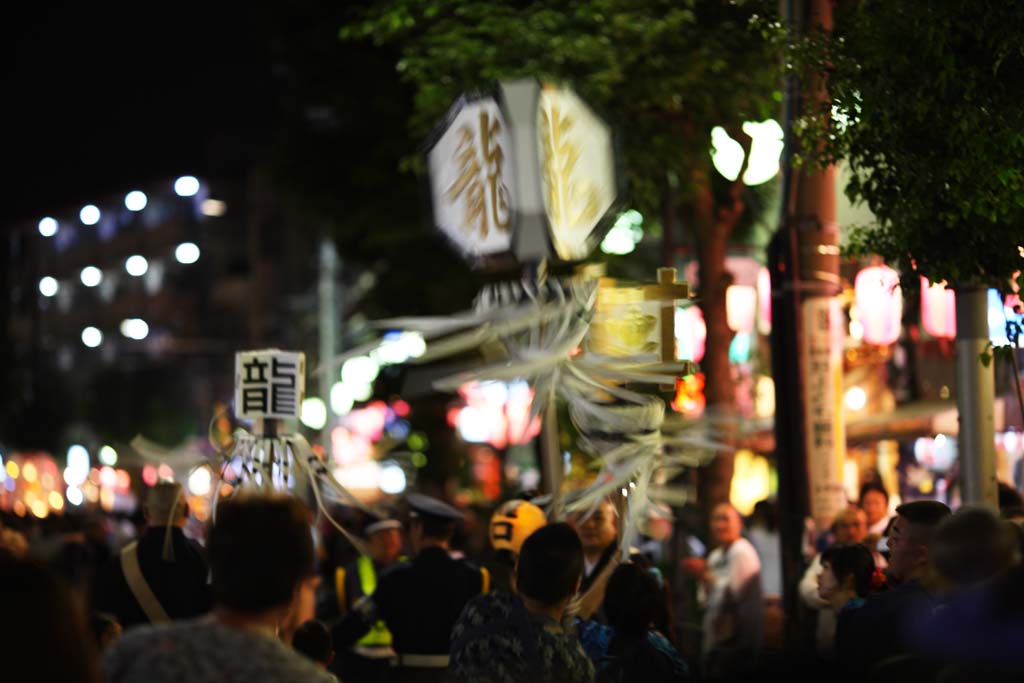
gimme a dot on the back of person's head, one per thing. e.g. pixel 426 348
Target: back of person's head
pixel 314 641
pixel 924 517
pixel 764 515
pixel 165 504
pixel 1009 498
pixel 972 546
pixel 550 564
pixel 42 626
pixel 851 560
pixel 631 599
pixel 261 549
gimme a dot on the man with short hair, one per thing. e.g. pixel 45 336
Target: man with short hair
pixel 878 630
pixel 163 575
pixel 421 599
pixel 510 638
pixel 263 585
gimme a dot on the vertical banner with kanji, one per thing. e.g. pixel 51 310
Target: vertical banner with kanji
pixel 269 384
pixel 821 355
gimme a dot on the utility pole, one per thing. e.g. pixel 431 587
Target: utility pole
pixel 806 335
pixel 975 389
pixel 330 267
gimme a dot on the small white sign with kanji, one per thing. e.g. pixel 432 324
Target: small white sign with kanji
pixel 269 383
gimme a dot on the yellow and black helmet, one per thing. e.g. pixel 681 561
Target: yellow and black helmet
pixel 513 522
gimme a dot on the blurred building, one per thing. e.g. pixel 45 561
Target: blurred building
pixel 164 280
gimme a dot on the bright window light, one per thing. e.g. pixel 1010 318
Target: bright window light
pixel 341 399
pixel 135 328
pixel 48 286
pixel 187 252
pixel 91 276
pixel 213 208
pixel 90 214
pixel 48 227
pixel 135 200
pixel 136 265
pixel 92 337
pixel 186 186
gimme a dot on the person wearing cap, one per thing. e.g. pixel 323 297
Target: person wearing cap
pixel 163 575
pixel 511 524
pixel 419 600
pixel 369 659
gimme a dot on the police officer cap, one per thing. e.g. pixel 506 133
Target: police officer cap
pixel 379 522
pixel 425 506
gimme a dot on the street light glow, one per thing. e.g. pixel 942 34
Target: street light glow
pixel 89 215
pixel 187 253
pixel 136 265
pixel 48 286
pixel 48 227
pixel 313 413
pixel 91 276
pixel 92 337
pixel 135 200
pixel 392 478
pixel 108 456
pixel 186 186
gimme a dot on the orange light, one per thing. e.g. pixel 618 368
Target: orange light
pixel 39 509
pixel 124 480
pixel 56 500
pixel 690 400
pixel 29 473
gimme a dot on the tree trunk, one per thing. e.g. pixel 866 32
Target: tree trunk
pixel 716 478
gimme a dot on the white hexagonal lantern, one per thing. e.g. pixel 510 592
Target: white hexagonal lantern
pixel 472 185
pixel 577 171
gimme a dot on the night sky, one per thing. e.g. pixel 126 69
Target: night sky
pixel 102 96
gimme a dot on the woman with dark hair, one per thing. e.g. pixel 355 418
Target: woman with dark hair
pixel 42 627
pixel 848 570
pixel 629 648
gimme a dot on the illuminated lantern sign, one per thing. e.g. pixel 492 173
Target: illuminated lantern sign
pixel 577 170
pixel 880 301
pixel 471 184
pixel 269 384
pixel 938 310
pixel 529 174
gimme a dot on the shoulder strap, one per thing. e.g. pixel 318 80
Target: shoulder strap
pixel 139 587
pixel 339 589
pixel 485 580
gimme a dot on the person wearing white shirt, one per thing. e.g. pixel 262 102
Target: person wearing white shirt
pixel 733 618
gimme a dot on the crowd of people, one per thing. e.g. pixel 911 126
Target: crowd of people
pixel 922 593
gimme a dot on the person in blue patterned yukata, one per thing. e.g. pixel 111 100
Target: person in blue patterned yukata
pixel 513 637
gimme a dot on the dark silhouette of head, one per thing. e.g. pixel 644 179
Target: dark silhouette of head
pixel 550 564
pixel 261 550
pixel 631 600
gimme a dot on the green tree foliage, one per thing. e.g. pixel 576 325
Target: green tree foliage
pixel 928 113
pixel 662 72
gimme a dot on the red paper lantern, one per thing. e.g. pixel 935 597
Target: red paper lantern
pixel 880 302
pixel 938 309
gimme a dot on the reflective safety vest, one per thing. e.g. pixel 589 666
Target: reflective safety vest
pixel 378 635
